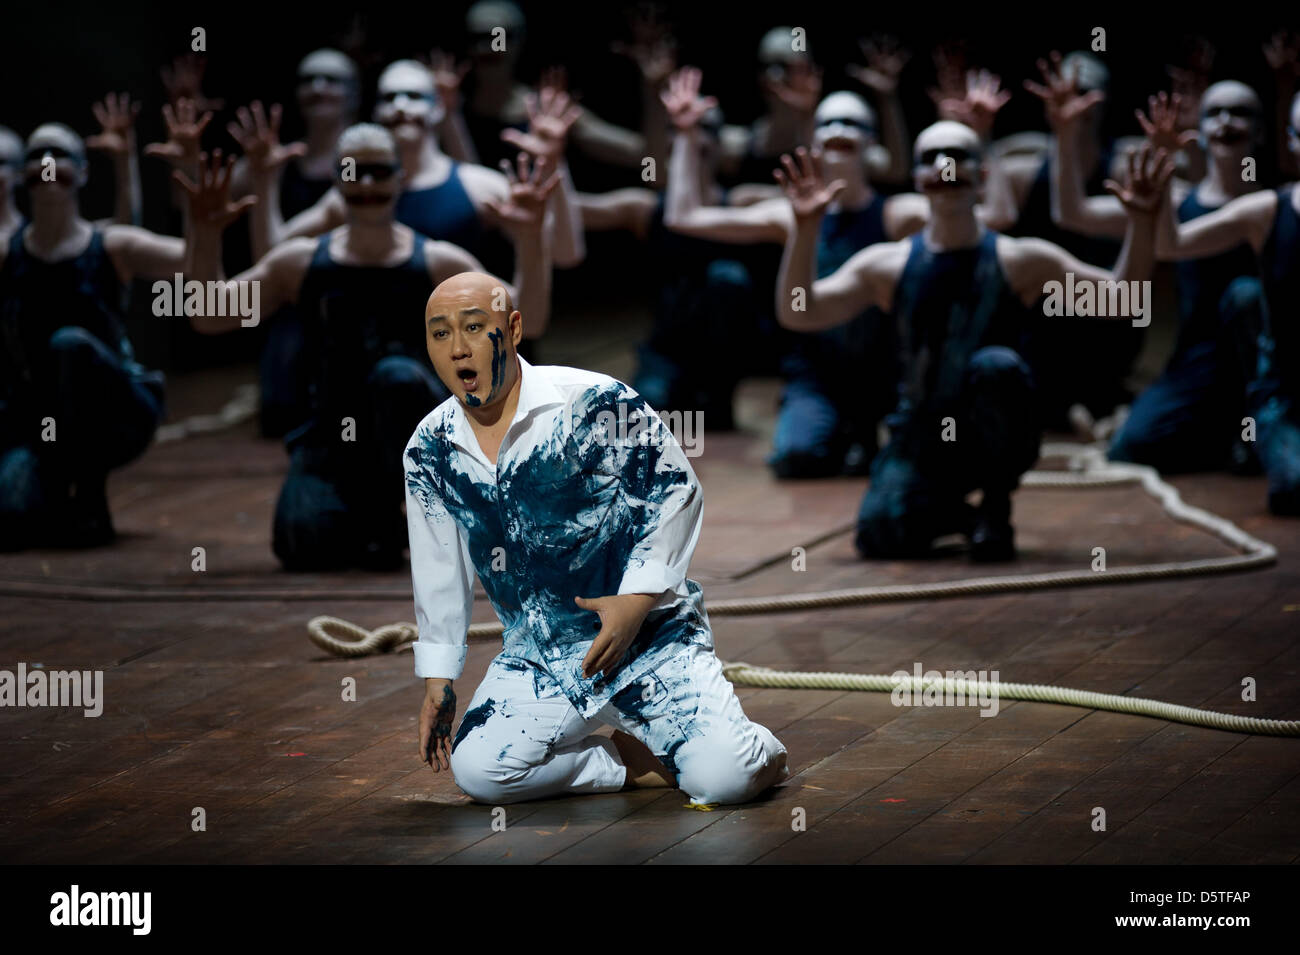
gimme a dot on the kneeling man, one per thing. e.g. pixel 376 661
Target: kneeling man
pixel 571 499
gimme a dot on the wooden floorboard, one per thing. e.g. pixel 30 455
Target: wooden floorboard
pixel 214 698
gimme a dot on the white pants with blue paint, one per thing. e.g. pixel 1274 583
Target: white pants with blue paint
pixel 522 739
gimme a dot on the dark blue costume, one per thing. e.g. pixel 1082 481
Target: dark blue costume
pixel 365 347
pixel 1273 395
pixel 443 212
pixel 64 356
pixel 841 382
pixel 1189 419
pixel 713 323
pixel 961 328
pixel 1076 360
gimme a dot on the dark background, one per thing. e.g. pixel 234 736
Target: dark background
pixel 56 59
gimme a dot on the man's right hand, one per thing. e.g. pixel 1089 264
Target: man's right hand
pixel 804 186
pixel 436 717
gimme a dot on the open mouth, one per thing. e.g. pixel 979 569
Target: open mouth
pixel 839 144
pixel 468 378
pixel 373 199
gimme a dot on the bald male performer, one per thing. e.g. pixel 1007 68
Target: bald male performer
pixel 1189 418
pixel 573 502
pixel 962 295
pixel 1269 222
pixel 369 384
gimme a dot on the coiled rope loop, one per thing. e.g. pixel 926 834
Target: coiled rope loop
pixel 1088 467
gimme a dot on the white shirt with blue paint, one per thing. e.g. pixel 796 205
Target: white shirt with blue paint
pixel 590 496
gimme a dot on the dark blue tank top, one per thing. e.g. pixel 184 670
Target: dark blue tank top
pixel 37 298
pixel 838 353
pixel 1036 216
pixel 443 212
pixel 947 306
pixel 1280 274
pixel 1202 282
pixel 353 316
pixel 298 193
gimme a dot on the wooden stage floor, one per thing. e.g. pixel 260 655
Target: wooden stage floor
pixel 223 703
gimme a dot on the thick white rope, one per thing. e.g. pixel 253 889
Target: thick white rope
pixel 242 405
pixel 1088 468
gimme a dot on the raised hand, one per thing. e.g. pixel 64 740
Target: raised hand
pixel 209 197
pixel 950 79
pixel 1192 80
pixel 1062 100
pixel 804 186
pixel 1161 125
pixel 184 130
pixel 801 87
pixel 551 114
pixel 653 48
pixel 1282 52
pixel 978 107
pixel 116 116
pixel 525 209
pixel 1143 189
pixel 184 80
pixel 885 62
pixel 682 99
pixel 258 134
pixel 447 77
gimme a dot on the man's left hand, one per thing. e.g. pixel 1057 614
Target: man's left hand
pixel 621 617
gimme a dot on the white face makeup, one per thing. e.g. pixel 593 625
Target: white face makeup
pixel 1230 115
pixel 408 102
pixel 327 81
pixel 844 125
pixel 56 147
pixel 948 162
pixel 369 176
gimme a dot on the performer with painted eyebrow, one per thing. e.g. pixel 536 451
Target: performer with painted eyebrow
pixel 828 417
pixel 340 504
pixel 962 295
pixel 1269 222
pixel 442 199
pixel 74 402
pixel 581 530
pixel 1189 418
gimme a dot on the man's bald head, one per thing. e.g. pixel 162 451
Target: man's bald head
pixel 471 331
pixel 947 134
pixel 486 291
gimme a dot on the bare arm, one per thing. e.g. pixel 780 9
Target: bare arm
pixel 884 63
pixel 1035 262
pixel 628 209
pixel 270 283
pixel 803 301
pixel 116 116
pixel 522 216
pixel 1247 219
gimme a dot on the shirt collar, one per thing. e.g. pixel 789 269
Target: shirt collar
pixel 536 393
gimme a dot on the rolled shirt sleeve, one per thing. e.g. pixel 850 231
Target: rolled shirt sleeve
pixel 442 574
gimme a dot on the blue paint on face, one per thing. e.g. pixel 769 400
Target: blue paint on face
pixel 497 337
pixel 473 720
